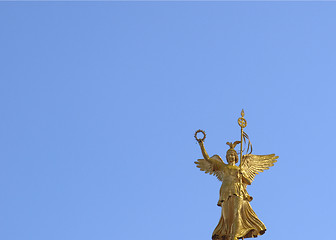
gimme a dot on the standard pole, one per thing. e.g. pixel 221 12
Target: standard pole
pixel 242 123
pixel 241 145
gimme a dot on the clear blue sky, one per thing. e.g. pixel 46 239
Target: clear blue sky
pixel 100 101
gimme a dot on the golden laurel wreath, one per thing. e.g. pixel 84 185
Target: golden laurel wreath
pixel 200 139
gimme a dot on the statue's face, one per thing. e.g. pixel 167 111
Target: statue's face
pixel 231 158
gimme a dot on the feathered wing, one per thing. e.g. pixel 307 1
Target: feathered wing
pixel 253 164
pixel 214 166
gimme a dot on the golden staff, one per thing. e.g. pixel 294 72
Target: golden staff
pixel 242 123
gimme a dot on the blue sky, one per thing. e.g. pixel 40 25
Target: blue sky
pixel 100 101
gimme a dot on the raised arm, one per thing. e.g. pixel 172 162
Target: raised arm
pixel 213 163
pixel 204 152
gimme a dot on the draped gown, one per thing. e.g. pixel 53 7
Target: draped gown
pixel 238 220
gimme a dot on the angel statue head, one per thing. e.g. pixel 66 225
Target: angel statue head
pixel 231 154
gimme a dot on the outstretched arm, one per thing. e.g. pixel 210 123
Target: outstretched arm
pixel 205 154
pixel 215 162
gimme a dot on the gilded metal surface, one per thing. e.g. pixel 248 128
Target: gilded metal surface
pixel 238 220
pixel 200 131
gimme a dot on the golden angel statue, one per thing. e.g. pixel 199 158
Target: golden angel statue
pixel 238 220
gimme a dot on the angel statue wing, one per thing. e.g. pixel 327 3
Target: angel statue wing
pixel 213 166
pixel 253 164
